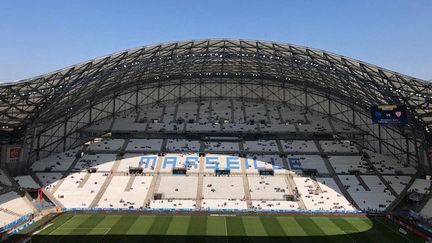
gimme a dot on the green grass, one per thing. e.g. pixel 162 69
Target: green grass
pixel 205 228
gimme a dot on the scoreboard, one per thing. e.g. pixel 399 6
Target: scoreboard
pixel 389 114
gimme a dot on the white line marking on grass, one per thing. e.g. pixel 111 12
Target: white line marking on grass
pixel 46 226
pixel 61 225
pixel 90 228
pixel 394 231
pixel 226 231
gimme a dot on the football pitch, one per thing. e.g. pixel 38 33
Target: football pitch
pixel 218 228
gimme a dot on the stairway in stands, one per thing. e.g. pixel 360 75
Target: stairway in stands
pixel 335 176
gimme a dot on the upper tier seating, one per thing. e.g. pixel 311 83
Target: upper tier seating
pixel 261 146
pixel 151 114
pixel 378 198
pixel 165 127
pixel 317 123
pixel 422 186
pixel 182 145
pixel 300 162
pixel 298 146
pixel 103 162
pixel 343 164
pixel 238 109
pixel 277 128
pixel 206 127
pixel 187 112
pixel 49 180
pixel 106 145
pixel 220 116
pixel 398 183
pixel 144 145
pixel 26 182
pixel 292 115
pixel 168 114
pixel 240 127
pixel 255 112
pixel 211 146
pixel 338 147
pixel 274 115
pixel 388 164
pixel 427 209
pixel 127 122
pixel 4 178
pixel 56 162
pixel 221 111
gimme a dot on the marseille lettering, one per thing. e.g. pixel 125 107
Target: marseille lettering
pixel 210 162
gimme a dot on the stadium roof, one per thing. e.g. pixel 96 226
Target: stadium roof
pixel 48 97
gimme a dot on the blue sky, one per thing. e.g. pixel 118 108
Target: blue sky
pixel 37 37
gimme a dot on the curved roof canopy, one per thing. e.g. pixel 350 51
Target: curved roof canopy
pixel 49 96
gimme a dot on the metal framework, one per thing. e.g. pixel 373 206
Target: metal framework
pixel 31 109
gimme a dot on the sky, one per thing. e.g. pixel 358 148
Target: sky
pixel 37 37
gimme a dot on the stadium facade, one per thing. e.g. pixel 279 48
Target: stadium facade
pixel 46 114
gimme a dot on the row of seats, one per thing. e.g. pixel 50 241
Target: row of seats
pixel 79 189
pixel 322 194
pixel 341 164
pixel 195 114
pixel 378 197
pixel 12 207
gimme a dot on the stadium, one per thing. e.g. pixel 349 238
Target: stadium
pixel 217 141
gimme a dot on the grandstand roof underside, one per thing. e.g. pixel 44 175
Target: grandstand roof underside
pixel 48 97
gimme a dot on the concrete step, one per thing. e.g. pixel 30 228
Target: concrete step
pixel 84 181
pixel 291 185
pixel 381 177
pixel 29 200
pixel 130 183
pixel 5 210
pixel 77 158
pixel 316 185
pixel 199 194
pixel 362 182
pixel 402 195
pixel 101 191
pixel 246 186
pixel 52 198
pixel 154 184
pixel 335 177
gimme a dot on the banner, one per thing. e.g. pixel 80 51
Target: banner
pixel 13 154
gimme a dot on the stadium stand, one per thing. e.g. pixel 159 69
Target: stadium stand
pixel 169 149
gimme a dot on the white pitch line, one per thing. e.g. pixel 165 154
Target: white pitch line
pixel 226 231
pixel 79 228
pixel 61 225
